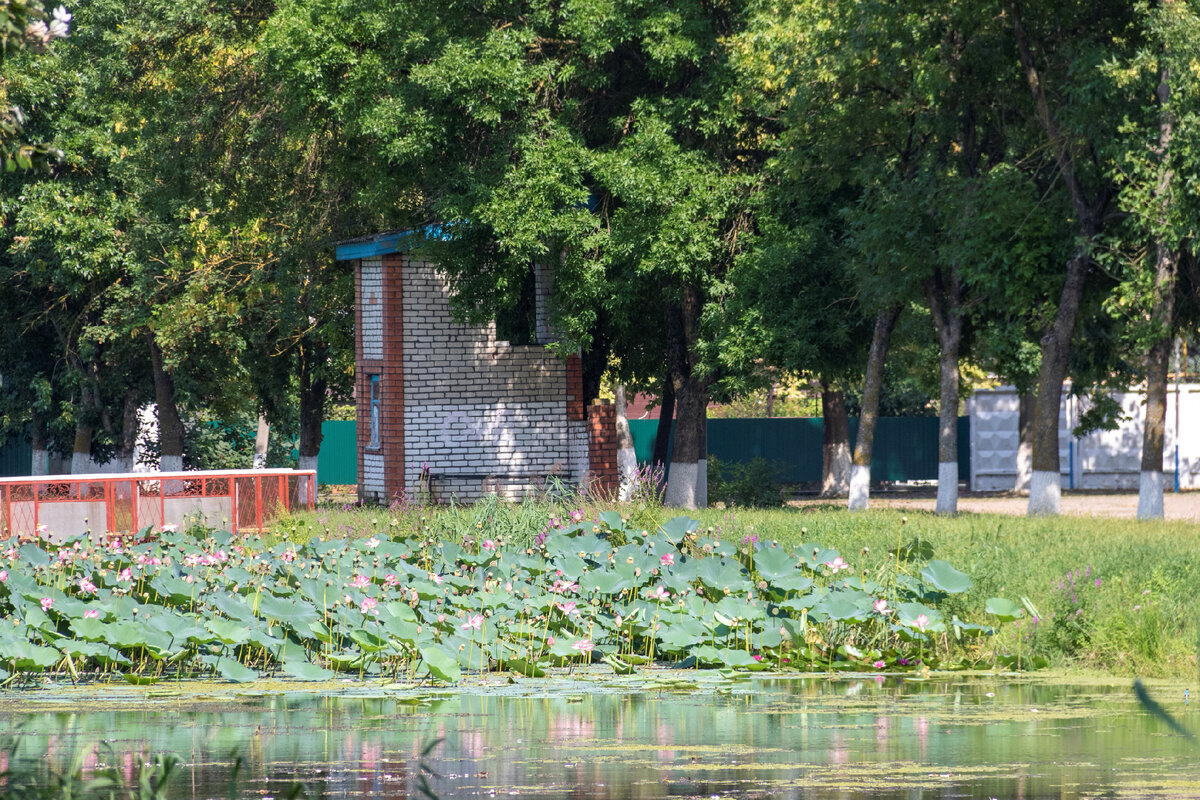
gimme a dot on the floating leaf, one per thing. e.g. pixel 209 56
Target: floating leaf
pixel 307 671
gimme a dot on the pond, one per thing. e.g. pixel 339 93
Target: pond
pixel 679 734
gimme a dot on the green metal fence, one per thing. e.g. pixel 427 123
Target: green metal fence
pixel 16 457
pixel 906 448
pixel 338 460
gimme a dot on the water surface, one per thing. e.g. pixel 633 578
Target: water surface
pixel 674 735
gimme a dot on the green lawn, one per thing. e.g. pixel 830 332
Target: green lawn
pixel 1113 595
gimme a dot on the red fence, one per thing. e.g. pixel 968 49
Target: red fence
pixel 67 505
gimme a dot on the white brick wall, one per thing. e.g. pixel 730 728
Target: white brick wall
pixel 371 277
pixel 372 477
pixel 483 415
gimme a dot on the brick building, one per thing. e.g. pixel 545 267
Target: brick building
pixel 454 409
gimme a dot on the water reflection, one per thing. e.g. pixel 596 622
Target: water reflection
pixel 801 738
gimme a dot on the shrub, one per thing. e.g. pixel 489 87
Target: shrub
pixel 754 484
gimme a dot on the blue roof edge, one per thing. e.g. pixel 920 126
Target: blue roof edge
pixel 382 244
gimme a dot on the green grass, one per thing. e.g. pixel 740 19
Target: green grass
pixel 1142 619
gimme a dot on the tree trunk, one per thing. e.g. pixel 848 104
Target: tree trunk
pixel 313 393
pixel 81 456
pixel 1045 487
pixel 1162 315
pixel 129 429
pixel 40 440
pixel 1150 485
pixel 170 426
pixel 687 481
pixel 81 453
pixel 666 419
pixel 860 475
pixel 687 486
pixel 771 390
pixel 262 441
pixel 627 468
pixel 945 303
pixel 1025 403
pixel 835 442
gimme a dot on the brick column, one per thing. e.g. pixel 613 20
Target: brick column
pixel 575 410
pixel 392 422
pixel 602 448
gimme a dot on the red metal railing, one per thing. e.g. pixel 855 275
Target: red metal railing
pixel 67 505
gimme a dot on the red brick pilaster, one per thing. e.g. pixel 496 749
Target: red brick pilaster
pixel 392 422
pixel 575 410
pixel 362 388
pixel 602 448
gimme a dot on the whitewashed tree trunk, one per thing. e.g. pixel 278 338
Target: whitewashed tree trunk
pixel 860 487
pixel 1025 442
pixel 626 457
pixel 261 441
pixel 1045 493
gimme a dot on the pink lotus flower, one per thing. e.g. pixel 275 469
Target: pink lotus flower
pixel 881 606
pixel 288 556
pixel 488 544
pixel 658 593
pixel 576 516
pixel 42 528
pixel 562 587
pixel 170 527
pixel 922 622
pixel 756 657
pixel 391 581
pixel 437 579
pixel 619 620
pixel 550 641
pixel 667 559
pixel 91 613
pixel 125 575
pixel 360 581
pixel 475 622
pixel 3 575
pixel 86 586
pixel 368 605
pixel 372 543
pixel 46 603
pixel 567 608
pixel 837 565
pixel 582 645
pixel 879 665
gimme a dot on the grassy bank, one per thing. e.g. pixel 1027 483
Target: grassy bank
pixel 1111 595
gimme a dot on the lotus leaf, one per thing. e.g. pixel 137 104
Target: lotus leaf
pixel 231 670
pixel 441 664
pixel 945 578
pixel 306 670
pixel 529 669
pixel 774 562
pixel 1004 610
pixel 846 605
pixel 722 574
pixel 677 528
pixel 228 631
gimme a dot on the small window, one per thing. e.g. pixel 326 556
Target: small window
pixel 375 401
pixel 517 324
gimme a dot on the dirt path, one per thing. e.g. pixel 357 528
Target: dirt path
pixel 1184 506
